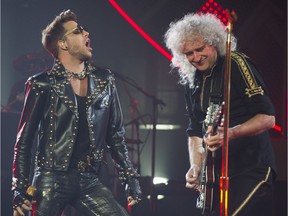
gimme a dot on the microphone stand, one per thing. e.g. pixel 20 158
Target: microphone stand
pixel 224 179
pixel 135 122
pixel 156 102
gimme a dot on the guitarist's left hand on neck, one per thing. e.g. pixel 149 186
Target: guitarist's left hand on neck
pixel 215 141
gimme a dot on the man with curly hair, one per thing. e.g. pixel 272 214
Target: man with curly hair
pixel 198 45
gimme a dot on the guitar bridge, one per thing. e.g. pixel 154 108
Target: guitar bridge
pixel 200 201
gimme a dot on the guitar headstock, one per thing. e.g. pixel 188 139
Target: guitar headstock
pixel 214 115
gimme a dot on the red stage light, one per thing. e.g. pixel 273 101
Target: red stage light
pixel 212 6
pixel 138 29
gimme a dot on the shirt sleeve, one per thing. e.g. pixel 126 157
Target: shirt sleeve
pixel 249 85
pixel 195 120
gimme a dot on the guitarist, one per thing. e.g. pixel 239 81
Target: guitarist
pixel 198 43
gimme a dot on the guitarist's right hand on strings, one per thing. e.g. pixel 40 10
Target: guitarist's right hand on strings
pixel 192 177
pixel 196 153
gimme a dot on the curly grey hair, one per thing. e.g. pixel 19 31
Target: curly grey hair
pixel 189 28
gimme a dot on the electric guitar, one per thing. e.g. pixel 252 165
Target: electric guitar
pixel 207 177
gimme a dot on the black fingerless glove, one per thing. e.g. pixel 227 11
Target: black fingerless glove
pixel 127 174
pixel 19 196
pixel 133 189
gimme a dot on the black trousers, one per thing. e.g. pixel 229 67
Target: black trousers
pixel 250 194
pixel 84 191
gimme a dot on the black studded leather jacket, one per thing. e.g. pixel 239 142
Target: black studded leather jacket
pixel 50 108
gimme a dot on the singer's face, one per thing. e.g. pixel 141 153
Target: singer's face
pixel 77 41
pixel 201 55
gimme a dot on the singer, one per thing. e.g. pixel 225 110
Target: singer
pixel 75 109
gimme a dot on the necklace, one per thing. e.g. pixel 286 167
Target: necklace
pixel 79 76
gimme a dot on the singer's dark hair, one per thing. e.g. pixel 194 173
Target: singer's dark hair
pixel 55 31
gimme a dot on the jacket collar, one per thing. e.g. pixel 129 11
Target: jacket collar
pixel 63 88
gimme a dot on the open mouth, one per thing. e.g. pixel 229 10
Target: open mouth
pixel 88 44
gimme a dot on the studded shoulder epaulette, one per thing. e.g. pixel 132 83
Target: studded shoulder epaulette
pixel 38 82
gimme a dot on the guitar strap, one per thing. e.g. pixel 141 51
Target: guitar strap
pixel 216 90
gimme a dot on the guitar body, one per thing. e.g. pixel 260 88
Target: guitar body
pixel 207 175
pixel 209 185
pixel 205 199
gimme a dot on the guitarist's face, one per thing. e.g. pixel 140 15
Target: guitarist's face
pixel 201 55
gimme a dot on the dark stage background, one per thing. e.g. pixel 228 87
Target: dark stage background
pixel 143 74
